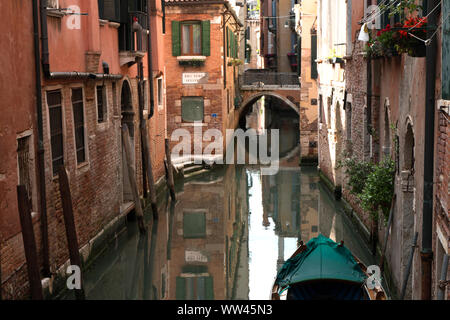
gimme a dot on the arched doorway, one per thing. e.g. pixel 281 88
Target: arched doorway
pixel 126 105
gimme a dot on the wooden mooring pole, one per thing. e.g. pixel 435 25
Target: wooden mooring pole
pixel 29 244
pixel 150 180
pixel 69 223
pixel 132 178
pixel 170 181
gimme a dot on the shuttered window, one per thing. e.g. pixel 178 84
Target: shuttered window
pixel 78 122
pixel 232 44
pixel 191 38
pixel 192 109
pixel 56 129
pixel 194 288
pixel 101 104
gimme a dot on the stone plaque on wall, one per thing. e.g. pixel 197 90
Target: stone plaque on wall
pixel 194 77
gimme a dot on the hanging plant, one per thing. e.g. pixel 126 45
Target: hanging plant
pixel 409 35
pixel 378 189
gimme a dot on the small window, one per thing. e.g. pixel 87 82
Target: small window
pixel 194 225
pixel 192 109
pixel 24 165
pixel 146 94
pixel 54 4
pixel 102 106
pixel 191 36
pixel 78 121
pixel 160 91
pixel 56 129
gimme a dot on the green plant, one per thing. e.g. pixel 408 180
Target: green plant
pixel 401 8
pixel 379 189
pixel 357 172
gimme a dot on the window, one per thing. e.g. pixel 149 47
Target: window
pixel 24 164
pixel 194 225
pixel 109 10
pixel 232 44
pixel 192 109
pixel 191 38
pixel 78 122
pixel 195 287
pixel 160 91
pixel 102 105
pixel 314 72
pixel 348 120
pixel 56 129
pixel 54 4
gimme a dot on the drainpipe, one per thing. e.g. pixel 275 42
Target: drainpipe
pixel 150 63
pixel 427 211
pixel 225 44
pixel 40 143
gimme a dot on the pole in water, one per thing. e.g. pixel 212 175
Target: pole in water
pixel 69 224
pixel 170 181
pixel 132 178
pixel 408 268
pixel 29 243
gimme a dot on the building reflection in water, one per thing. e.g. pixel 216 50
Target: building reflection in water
pixel 229 232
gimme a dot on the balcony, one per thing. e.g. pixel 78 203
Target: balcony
pixel 133 38
pixel 263 78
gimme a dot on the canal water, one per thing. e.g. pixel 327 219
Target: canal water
pixel 226 236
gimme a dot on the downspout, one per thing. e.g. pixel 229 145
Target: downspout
pixel 150 63
pixel 40 143
pixel 224 51
pixel 427 211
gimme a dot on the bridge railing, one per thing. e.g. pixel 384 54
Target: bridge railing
pixel 262 78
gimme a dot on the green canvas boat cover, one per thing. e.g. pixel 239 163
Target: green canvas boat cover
pixel 323 259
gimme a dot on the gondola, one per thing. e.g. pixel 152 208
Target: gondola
pixel 325 270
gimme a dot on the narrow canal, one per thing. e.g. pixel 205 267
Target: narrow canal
pixel 226 236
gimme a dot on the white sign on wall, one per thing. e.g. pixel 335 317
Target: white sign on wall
pixel 194 77
pixel 195 256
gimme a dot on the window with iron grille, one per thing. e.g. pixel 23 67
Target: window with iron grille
pixel 78 121
pixel 56 129
pixel 160 92
pixel 102 106
pixel 192 109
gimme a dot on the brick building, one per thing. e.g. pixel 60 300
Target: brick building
pixel 91 86
pixel 202 69
pixel 373 109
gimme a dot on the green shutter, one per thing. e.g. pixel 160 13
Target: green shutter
pixel 209 288
pixel 180 289
pixel 206 42
pixel 176 42
pixel 228 42
pixel 314 73
pixel 445 51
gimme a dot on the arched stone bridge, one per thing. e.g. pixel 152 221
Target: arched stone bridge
pixel 285 87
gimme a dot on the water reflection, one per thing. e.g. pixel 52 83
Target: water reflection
pixel 226 236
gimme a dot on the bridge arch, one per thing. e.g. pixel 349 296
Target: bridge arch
pixel 248 101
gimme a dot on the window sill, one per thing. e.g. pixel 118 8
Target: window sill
pixel 193 124
pixel 82 168
pixel 102 22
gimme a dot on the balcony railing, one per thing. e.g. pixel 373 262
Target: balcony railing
pixel 261 78
pixel 133 34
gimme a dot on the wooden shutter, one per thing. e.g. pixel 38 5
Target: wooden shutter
pixel 228 42
pixel 176 42
pixel 180 288
pixel 206 39
pixel 314 73
pixel 445 51
pixel 209 288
